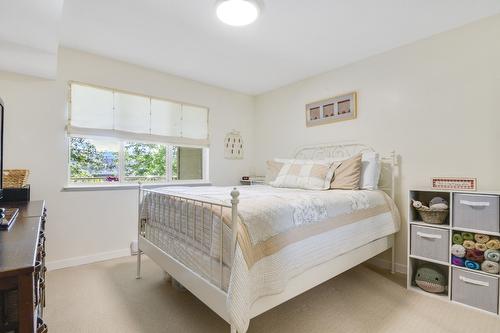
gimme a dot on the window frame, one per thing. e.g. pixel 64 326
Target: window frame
pixel 121 165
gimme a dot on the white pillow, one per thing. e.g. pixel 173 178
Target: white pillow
pixel 370 171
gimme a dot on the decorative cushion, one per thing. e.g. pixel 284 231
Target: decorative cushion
pixel 272 171
pixel 347 174
pixel 305 174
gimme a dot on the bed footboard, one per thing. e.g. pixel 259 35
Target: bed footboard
pixel 189 217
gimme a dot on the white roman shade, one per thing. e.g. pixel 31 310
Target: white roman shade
pixel 106 112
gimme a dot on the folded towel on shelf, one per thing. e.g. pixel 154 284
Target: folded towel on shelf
pixel 492 255
pixel 469 245
pixel 475 255
pixel 480 238
pixel 458 250
pixel 457 239
pixel 458 261
pixel 493 244
pixel 472 265
pixel 481 247
pixel 490 267
pixel 467 235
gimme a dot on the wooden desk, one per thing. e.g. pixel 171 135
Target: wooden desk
pixel 22 270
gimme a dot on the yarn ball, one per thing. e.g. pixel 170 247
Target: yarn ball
pixel 475 255
pixel 481 247
pixel 490 267
pixel 467 236
pixel 469 245
pixel 439 206
pixel 493 244
pixel 458 261
pixel 492 255
pixel 480 238
pixel 458 250
pixel 472 265
pixel 438 200
pixel 457 239
pixel 430 279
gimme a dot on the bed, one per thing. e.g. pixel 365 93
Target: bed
pixel 244 251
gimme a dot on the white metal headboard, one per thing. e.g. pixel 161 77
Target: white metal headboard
pixel 342 151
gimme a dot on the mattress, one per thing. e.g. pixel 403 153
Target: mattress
pixel 283 233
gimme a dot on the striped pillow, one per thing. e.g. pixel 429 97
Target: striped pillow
pixel 305 174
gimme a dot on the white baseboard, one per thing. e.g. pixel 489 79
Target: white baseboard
pixel 386 264
pixel 77 261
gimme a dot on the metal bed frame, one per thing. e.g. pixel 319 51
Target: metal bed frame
pixel 212 292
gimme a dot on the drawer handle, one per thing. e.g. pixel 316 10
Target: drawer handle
pixel 431 236
pixel 475 204
pixel 475 282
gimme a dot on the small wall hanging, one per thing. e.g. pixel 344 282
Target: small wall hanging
pixel 233 146
pixel 338 108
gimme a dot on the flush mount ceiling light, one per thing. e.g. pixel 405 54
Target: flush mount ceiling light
pixel 237 12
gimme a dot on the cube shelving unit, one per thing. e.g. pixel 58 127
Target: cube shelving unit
pixel 475 212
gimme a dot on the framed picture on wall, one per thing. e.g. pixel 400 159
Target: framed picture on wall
pixel 330 110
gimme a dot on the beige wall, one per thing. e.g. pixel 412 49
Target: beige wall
pixel 100 224
pixel 435 101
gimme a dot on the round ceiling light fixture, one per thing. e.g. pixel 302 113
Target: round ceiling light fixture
pixel 237 12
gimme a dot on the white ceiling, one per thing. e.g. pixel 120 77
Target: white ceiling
pixel 292 40
pixel 29 36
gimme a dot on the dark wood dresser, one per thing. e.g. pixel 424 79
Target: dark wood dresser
pixel 22 270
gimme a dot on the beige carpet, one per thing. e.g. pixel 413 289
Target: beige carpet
pixel 105 297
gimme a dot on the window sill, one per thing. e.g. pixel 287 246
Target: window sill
pixel 115 187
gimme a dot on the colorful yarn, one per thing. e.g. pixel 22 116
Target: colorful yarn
pixel 493 244
pixel 472 264
pixel 492 255
pixel 469 245
pixel 480 238
pixel 467 236
pixel 458 261
pixel 457 239
pixel 481 247
pixel 475 255
pixel 490 267
pixel 458 250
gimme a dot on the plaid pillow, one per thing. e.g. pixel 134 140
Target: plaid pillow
pixel 305 174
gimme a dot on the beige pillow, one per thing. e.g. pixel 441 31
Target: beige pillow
pixel 272 171
pixel 347 174
pixel 305 174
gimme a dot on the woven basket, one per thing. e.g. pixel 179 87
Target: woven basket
pixel 15 178
pixel 433 216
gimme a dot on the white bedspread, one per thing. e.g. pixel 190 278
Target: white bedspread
pixel 285 232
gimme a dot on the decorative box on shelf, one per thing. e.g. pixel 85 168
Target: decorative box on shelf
pixel 464 248
pixel 16 194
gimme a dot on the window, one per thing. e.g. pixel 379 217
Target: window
pixel 117 137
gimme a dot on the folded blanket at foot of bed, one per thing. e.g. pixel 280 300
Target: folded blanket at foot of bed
pixel 480 238
pixel 492 255
pixel 475 255
pixel 458 261
pixel 472 265
pixel 493 244
pixel 458 250
pixel 490 267
pixel 469 245
pixel 467 236
pixel 457 239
